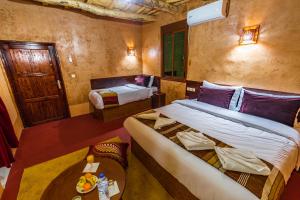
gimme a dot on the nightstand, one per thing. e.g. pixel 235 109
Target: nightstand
pixel 158 99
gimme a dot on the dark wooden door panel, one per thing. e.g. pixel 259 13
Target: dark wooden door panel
pixel 20 60
pixel 31 87
pixel 34 75
pixel 28 61
pixel 42 111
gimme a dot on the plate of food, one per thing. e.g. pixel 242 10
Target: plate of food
pixel 86 183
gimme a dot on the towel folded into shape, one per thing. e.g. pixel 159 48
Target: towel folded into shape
pixel 195 141
pixel 162 122
pixel 241 161
pixel 150 116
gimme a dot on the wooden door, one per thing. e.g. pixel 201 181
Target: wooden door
pixel 34 74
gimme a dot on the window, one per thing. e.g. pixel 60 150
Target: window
pixel 174 39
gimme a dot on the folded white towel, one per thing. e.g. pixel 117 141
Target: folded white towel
pixel 162 122
pixel 195 141
pixel 241 161
pixel 150 116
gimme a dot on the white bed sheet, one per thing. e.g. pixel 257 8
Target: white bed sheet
pixel 126 94
pixel 249 121
pixel 204 181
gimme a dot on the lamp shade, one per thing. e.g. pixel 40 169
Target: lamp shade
pixel 249 35
pixel 131 51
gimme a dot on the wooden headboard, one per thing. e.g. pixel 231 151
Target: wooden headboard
pixel 193 87
pixel 101 83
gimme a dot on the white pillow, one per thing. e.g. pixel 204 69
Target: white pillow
pixel 235 98
pixel 151 82
pixel 297 124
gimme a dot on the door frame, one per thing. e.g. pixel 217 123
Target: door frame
pixel 7 66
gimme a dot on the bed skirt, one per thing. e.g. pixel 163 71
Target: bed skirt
pixel 118 112
pixel 169 182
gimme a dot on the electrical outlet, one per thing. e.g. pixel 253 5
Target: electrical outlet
pixel 190 89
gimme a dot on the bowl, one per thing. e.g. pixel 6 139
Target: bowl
pixel 81 191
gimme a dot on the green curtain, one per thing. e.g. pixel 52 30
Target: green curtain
pixel 168 68
pixel 179 54
pixel 173 47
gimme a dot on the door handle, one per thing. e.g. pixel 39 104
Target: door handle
pixel 58 84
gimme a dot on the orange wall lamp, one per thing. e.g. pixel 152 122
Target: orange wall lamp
pixel 249 35
pixel 131 51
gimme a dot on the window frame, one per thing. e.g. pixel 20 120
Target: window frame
pixel 173 28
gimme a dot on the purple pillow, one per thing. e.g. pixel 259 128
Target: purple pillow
pixel 216 97
pixel 140 80
pixel 276 108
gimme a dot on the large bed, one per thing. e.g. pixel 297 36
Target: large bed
pixel 185 176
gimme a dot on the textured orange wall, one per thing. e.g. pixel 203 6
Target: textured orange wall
pixel 214 53
pixel 98 47
pixel 174 90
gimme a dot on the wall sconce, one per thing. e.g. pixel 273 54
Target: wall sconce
pixel 131 51
pixel 250 35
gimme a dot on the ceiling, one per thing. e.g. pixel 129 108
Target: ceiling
pixel 135 10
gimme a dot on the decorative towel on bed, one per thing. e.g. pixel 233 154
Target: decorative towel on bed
pixel 195 141
pixel 264 187
pixel 150 116
pixel 241 161
pixel 160 122
pixel 110 98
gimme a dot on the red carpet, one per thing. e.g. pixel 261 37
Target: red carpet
pixel 51 140
pixel 44 142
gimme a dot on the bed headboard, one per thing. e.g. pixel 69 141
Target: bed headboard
pixel 193 87
pixel 101 83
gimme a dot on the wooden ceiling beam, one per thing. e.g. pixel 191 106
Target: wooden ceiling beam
pixel 98 10
pixel 156 4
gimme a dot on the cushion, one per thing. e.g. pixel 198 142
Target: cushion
pixel 150 82
pixel 113 150
pixel 274 107
pixel 146 81
pixel 140 80
pixel 297 120
pixel 217 97
pixel 235 97
pixel 264 94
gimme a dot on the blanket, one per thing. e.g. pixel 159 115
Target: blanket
pixel 264 187
pixel 110 98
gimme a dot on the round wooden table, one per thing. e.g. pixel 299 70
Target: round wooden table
pixel 63 187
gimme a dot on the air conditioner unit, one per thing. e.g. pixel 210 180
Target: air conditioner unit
pixel 213 11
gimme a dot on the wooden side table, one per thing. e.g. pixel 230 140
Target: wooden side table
pixel 158 99
pixel 63 187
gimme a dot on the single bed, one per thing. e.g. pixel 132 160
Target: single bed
pixel 185 176
pixel 128 95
